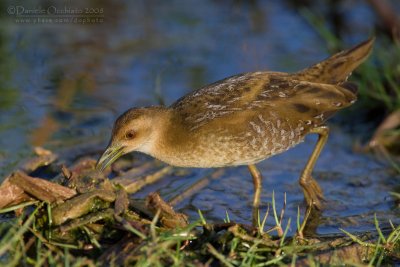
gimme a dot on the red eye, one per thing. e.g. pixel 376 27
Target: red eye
pixel 130 134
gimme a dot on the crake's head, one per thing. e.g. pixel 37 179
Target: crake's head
pixel 132 131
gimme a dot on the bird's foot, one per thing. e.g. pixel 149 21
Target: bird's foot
pixel 312 192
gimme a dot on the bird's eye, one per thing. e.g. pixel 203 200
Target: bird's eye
pixel 130 134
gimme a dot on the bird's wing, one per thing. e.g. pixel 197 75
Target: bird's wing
pixel 263 93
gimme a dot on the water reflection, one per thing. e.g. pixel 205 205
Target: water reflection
pixel 62 85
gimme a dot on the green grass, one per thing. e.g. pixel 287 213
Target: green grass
pixel 225 244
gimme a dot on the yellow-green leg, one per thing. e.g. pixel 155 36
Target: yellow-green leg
pixel 255 173
pixel 312 191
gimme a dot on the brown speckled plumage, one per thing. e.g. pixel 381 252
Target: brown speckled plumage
pixel 243 119
pixel 243 126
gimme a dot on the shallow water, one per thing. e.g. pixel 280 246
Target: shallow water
pixel 62 85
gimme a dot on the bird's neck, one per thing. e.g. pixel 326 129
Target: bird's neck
pixel 170 140
pixel 159 120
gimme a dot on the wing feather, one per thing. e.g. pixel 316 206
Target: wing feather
pixel 263 93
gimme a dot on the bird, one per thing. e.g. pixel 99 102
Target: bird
pixel 244 119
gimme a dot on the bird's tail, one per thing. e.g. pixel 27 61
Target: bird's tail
pixel 337 68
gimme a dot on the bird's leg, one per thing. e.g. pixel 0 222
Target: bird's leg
pixel 255 173
pixel 312 191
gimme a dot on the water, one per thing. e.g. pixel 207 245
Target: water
pixel 62 86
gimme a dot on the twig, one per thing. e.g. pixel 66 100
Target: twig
pixel 90 218
pixel 149 179
pixel 135 171
pixel 197 186
pixel 40 188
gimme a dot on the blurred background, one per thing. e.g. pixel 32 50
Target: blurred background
pixel 65 76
